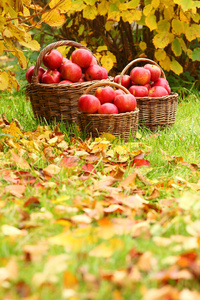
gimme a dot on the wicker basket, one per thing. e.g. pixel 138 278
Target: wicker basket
pixel 155 112
pixel 56 101
pixel 120 125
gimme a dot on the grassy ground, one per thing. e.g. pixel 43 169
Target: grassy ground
pixel 100 227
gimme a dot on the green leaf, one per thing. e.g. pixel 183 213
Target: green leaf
pixel 196 54
pixel 176 47
pixel 176 67
pixel 185 4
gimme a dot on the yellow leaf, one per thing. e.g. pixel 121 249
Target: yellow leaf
pixel 178 27
pixel 107 249
pixel 52 169
pixel 169 12
pixel 163 25
pixel 176 47
pixel 128 5
pixel 183 45
pixel 160 54
pixel 21 58
pixel 185 5
pixel 11 230
pixel 54 18
pixel 131 16
pixel 4 80
pixel 90 2
pixel 143 46
pixel 189 53
pixel 161 40
pixel 155 3
pixel 192 32
pixel 166 63
pixel 102 48
pixel 108 61
pixel 113 13
pixel 150 21
pixel 103 7
pixel 33 45
pixel 69 279
pixel 77 5
pixel 90 12
pixel 147 9
pixel 184 17
pixel 64 5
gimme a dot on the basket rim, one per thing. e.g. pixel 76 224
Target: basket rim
pixel 119 115
pixel 163 98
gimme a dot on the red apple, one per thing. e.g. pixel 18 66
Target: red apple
pixel 138 90
pixel 105 73
pixel 154 70
pixel 94 72
pixel 125 103
pixel 29 73
pixel 71 71
pixel 105 94
pixel 108 108
pixel 119 92
pixel 65 82
pixel 51 76
pixel 140 75
pixel 88 104
pixel 164 83
pixel 94 61
pixel 158 91
pixel 148 85
pixel 126 80
pixel 82 57
pixel 53 59
pixel 65 61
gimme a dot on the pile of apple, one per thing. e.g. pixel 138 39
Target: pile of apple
pixel 106 100
pixel 145 82
pixel 82 66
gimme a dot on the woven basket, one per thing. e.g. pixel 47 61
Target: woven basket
pixel 155 112
pixel 120 125
pixel 56 101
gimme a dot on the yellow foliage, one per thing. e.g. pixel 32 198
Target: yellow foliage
pixel 176 67
pixel 54 18
pixel 90 12
pixel 64 6
pixel 150 21
pixel 4 81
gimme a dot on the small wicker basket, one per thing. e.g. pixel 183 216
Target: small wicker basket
pixel 56 101
pixel 120 125
pixel 155 112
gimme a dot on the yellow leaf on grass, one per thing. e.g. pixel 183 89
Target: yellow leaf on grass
pixel 11 230
pixel 54 18
pixel 69 279
pixel 52 170
pixel 107 249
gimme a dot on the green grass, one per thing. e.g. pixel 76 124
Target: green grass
pixel 71 197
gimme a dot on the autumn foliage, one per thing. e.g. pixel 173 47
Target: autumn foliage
pixel 166 31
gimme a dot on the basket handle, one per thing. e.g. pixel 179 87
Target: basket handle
pixel 106 83
pixel 136 60
pixel 49 48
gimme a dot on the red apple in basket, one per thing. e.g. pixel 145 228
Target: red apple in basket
pixel 105 94
pixel 158 91
pixel 71 71
pixel 105 73
pixel 108 108
pixel 65 82
pixel 94 72
pixel 119 92
pixel 53 59
pixel 125 103
pixel 51 76
pixel 29 73
pixel 140 75
pixel 82 57
pixel 126 80
pixel 65 61
pixel 88 104
pixel 154 70
pixel 138 90
pixel 164 83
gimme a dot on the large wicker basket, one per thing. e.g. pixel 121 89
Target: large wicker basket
pixel 155 112
pixel 121 125
pixel 56 101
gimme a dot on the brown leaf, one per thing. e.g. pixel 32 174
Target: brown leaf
pixel 20 161
pixel 16 190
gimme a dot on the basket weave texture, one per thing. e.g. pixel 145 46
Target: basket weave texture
pixel 57 101
pixel 155 112
pixel 120 125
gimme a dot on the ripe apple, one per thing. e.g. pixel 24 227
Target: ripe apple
pixel 105 73
pixel 119 92
pixel 65 61
pixel 94 72
pixel 158 91
pixel 105 94
pixel 154 70
pixel 147 85
pixel 53 59
pixel 108 108
pixel 82 57
pixel 138 90
pixel 125 103
pixel 29 73
pixel 140 75
pixel 71 71
pixel 164 83
pixel 65 82
pixel 88 104
pixel 51 76
pixel 126 80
